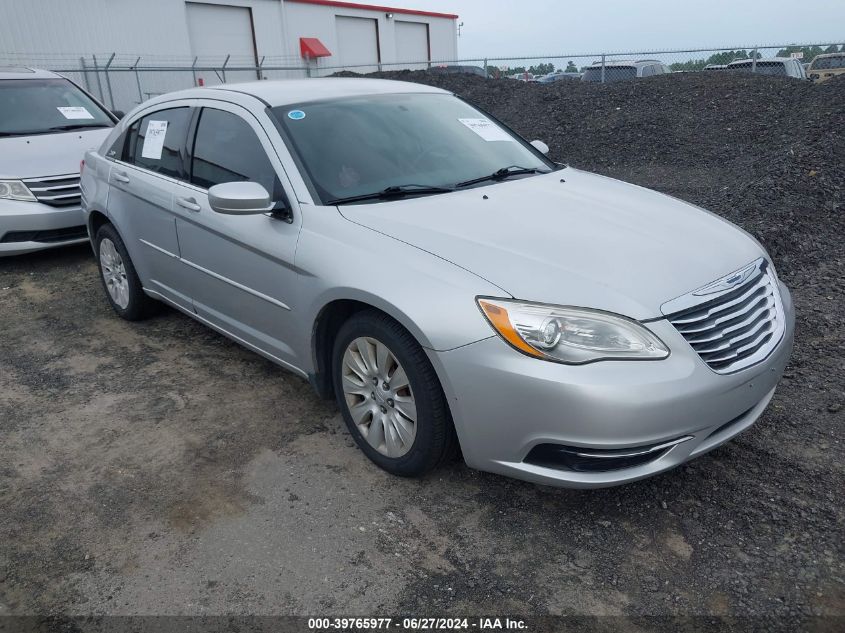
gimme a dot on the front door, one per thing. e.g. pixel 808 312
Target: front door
pixel 241 268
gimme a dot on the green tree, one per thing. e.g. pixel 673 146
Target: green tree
pixel 542 69
pixel 571 67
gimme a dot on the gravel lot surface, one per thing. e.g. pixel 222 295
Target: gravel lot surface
pixel 159 468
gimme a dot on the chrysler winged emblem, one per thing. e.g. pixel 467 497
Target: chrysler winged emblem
pixel 730 281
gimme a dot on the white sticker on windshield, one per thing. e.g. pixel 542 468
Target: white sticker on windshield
pixel 487 130
pixel 74 112
pixel 154 140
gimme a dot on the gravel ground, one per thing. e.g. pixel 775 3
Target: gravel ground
pixel 158 468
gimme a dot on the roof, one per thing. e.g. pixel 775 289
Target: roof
pixel 763 60
pixel 629 62
pixel 839 54
pixel 13 72
pixel 288 91
pixel 376 7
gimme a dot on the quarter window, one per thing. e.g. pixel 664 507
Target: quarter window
pixel 118 147
pixel 157 141
pixel 226 149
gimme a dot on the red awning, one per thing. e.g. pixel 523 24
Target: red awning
pixel 311 48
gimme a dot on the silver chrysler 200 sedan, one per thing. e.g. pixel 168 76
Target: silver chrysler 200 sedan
pixel 441 278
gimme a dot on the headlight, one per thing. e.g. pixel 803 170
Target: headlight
pixel 570 335
pixel 15 190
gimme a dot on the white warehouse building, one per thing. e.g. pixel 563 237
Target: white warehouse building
pixel 218 38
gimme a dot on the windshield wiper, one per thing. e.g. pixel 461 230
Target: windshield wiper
pixel 75 126
pixel 398 191
pixel 58 128
pixel 503 173
pixel 24 133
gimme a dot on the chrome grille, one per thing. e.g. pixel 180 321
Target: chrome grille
pixel 732 328
pixel 57 191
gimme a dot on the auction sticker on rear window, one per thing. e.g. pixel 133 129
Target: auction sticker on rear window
pixel 296 115
pixel 154 140
pixel 487 130
pixel 74 112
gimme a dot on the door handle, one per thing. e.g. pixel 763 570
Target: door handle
pixel 120 176
pixel 188 203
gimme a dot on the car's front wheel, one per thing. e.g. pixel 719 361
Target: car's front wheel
pixel 390 396
pixel 120 281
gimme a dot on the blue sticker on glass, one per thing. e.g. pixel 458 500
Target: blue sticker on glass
pixel 296 115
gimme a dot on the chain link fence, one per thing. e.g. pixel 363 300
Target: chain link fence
pixel 122 81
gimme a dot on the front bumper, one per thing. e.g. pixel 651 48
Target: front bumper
pixel 49 227
pixel 505 404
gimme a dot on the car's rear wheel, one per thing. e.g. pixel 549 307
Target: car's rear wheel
pixel 390 396
pixel 120 281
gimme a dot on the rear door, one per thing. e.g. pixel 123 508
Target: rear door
pixel 142 182
pixel 241 268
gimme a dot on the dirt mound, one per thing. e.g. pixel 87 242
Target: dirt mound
pixel 767 153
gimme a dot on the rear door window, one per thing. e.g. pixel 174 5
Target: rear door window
pixel 611 73
pixel 157 142
pixel 828 63
pixel 761 67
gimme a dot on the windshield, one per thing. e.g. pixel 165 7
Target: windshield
pixel 827 63
pixel 611 73
pixel 43 106
pixel 361 145
pixel 761 68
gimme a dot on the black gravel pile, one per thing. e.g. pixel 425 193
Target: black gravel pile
pixel 768 153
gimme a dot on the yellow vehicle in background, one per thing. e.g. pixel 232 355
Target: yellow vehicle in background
pixel 823 67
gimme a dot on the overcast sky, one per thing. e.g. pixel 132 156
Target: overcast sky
pixel 546 27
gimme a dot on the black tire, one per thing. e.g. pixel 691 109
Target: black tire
pixel 435 441
pixel 139 306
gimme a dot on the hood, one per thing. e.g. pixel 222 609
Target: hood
pixel 43 155
pixel 589 241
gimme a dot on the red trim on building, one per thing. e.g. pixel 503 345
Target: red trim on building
pixel 312 48
pixel 375 7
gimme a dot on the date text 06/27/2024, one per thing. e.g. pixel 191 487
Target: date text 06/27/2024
pixel 416 624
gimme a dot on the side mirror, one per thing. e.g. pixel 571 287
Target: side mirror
pixel 119 114
pixel 239 198
pixel 540 146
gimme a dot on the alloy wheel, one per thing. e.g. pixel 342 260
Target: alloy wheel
pixel 114 273
pixel 378 394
